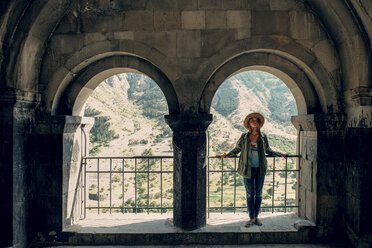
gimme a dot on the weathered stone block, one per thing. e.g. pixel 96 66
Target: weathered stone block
pixel 138 20
pixel 329 212
pixel 187 5
pixel 302 202
pixel 165 42
pixel 68 24
pixel 215 19
pixel 46 213
pixel 283 4
pixel 193 19
pixel 49 180
pixel 93 37
pixel 140 4
pixel 238 19
pixel 120 5
pixel 214 40
pixel 65 44
pixel 128 35
pixel 106 23
pixel 358 155
pixel 266 22
pixel 104 4
pixel 20 218
pixel 304 25
pixel 352 212
pixel 6 218
pixel 260 4
pixel 209 4
pixel 167 20
pixel 325 52
pixel 307 174
pixel 164 5
pixel 311 205
pixel 188 44
pixel 242 33
pixel 236 4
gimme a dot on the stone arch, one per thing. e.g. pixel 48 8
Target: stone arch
pixel 89 55
pixel 313 87
pixel 346 34
pixel 38 25
pixel 70 102
pixel 72 99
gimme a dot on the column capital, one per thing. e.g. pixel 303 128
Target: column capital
pixel 73 122
pixel 359 96
pixel 320 122
pixel 19 98
pixel 187 122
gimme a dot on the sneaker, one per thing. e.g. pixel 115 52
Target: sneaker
pixel 249 223
pixel 258 222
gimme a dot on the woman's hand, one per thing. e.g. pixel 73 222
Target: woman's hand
pixel 221 155
pixel 284 155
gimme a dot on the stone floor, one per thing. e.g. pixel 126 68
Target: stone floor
pixel 157 223
pixel 222 246
pixel 275 229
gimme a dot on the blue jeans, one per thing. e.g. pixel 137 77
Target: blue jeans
pixel 253 187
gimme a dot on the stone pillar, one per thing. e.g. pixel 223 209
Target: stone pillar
pixel 358 186
pixel 57 149
pixel 16 125
pixel 189 182
pixel 47 174
pixel 358 167
pixel 307 165
pixel 6 175
pixel 74 147
pixel 321 178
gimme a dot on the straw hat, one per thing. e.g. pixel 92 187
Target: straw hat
pixel 252 115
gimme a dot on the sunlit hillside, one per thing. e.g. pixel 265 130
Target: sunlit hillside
pixel 130 110
pixel 129 114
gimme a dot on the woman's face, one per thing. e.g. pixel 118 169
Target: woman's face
pixel 253 123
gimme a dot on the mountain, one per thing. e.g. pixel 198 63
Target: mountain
pixel 129 110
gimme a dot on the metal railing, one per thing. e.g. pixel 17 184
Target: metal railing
pixel 136 185
pixel 276 175
pixel 111 172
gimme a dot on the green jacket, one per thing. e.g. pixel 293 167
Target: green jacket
pixel 244 147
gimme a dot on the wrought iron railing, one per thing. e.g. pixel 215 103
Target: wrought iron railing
pixel 145 184
pixel 103 176
pixel 278 172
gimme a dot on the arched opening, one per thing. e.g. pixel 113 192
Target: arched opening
pixel 246 91
pixel 129 166
pixel 133 160
pixel 309 97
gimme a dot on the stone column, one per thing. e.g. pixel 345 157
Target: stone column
pixel 47 174
pixel 189 182
pixel 74 147
pixel 6 175
pixel 321 177
pixel 16 125
pixel 358 167
pixel 57 153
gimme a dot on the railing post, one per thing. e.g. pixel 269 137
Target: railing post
pixel 189 142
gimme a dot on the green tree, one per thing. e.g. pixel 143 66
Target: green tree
pixel 101 132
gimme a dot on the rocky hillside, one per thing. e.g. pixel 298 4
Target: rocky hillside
pixel 129 110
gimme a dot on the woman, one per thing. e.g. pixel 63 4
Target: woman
pixel 252 163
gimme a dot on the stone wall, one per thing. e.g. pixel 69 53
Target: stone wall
pixel 358 186
pixel 51 51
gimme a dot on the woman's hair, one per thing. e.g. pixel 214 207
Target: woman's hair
pixel 259 124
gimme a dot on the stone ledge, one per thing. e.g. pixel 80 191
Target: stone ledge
pixel 222 229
